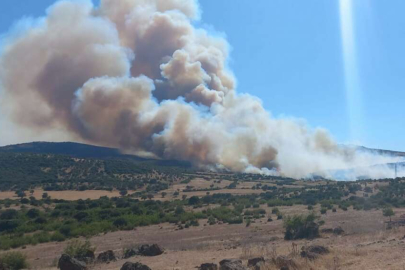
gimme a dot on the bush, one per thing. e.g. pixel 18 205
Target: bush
pixel 301 226
pixel 58 237
pixel 79 249
pixel 13 261
pixel 323 211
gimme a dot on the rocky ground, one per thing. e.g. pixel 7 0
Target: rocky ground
pixel 365 244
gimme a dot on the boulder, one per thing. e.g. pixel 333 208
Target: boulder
pixel 313 252
pixel 150 250
pixel 134 266
pixel 338 231
pixel 285 262
pixel 106 257
pixel 130 253
pixel 68 263
pixel 231 264
pixel 208 266
pixel 327 230
pixel 253 262
pixel 88 257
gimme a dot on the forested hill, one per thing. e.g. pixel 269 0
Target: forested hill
pixel 80 166
pixel 80 150
pixel 67 148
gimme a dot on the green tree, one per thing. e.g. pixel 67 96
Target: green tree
pixel 388 212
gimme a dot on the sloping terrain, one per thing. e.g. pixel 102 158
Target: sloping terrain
pixel 73 166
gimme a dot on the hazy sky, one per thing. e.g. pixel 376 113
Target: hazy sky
pixel 289 53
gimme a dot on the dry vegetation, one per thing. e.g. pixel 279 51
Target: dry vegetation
pixel 198 217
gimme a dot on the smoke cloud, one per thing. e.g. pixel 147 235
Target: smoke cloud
pixel 137 74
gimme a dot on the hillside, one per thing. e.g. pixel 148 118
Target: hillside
pixel 67 166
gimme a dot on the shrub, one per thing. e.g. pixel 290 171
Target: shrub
pixel 13 261
pixel 79 249
pixel 388 212
pixel 120 222
pixel 33 213
pixel 275 210
pixel 58 237
pixel 300 227
pixel 324 210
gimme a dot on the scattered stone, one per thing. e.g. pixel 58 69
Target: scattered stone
pixel 106 257
pixel 87 258
pixel 338 231
pixel 134 266
pixel 260 266
pixel 327 230
pixel 313 252
pixel 285 262
pixel 253 262
pixel 208 266
pixel 68 263
pixel 150 250
pixel 231 264
pixel 273 238
pixel 130 253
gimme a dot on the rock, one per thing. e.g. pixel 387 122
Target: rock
pixel 134 266
pixel 130 253
pixel 285 262
pixel 273 238
pixel 87 258
pixel 338 231
pixel 68 263
pixel 260 266
pixel 231 264
pixel 313 252
pixel 150 250
pixel 321 250
pixel 327 230
pixel 107 256
pixel 254 261
pixel 208 266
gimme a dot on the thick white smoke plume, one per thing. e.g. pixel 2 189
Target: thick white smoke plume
pixel 136 74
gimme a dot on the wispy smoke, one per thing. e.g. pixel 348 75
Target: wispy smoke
pixel 137 74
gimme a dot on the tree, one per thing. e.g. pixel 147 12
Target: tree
pixel 45 195
pixel 193 200
pixel 20 193
pixel 150 196
pixel 123 192
pixel 388 212
pixel 164 194
pixel 301 226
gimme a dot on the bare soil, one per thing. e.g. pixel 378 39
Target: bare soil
pixel 366 243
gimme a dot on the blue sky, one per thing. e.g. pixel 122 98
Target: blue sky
pixel 289 53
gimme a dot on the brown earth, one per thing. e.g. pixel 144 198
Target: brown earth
pixel 365 245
